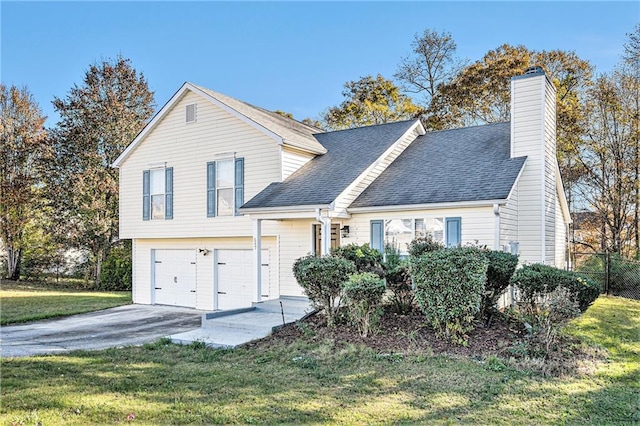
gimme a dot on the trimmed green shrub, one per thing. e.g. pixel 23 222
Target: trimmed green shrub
pixel 448 288
pixel 364 257
pixel 423 245
pixel 501 267
pixel 115 274
pixel 398 280
pixel 363 299
pixel 535 280
pixel 322 279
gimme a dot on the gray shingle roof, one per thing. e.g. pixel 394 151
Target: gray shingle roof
pixel 321 180
pixel 293 133
pixel 467 164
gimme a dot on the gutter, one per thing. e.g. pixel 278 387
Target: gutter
pixel 496 237
pixel 283 209
pixel 433 206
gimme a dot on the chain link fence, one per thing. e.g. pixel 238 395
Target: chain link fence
pixel 617 276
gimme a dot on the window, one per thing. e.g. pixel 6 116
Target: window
pixel 157 194
pixel 400 232
pixel 225 187
pixel 157 187
pixel 433 226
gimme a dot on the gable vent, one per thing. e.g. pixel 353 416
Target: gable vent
pixel 191 113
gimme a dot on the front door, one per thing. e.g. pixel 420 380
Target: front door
pixel 335 238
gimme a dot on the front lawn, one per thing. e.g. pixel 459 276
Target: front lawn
pixel 311 379
pixel 22 302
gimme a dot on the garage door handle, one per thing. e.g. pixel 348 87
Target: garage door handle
pixel 222 292
pixel 158 288
pixel 193 291
pixel 220 263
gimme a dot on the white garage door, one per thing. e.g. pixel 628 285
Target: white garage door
pixel 235 278
pixel 174 278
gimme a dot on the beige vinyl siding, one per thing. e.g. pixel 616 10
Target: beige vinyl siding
pixel 292 160
pixel 528 138
pixel 187 147
pixel 509 220
pixel 478 223
pixel 355 189
pixel 550 174
pixel 295 241
pixel 143 267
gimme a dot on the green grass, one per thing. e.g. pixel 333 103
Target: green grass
pixel 319 382
pixel 22 302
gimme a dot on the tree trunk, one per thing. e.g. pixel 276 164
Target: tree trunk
pixel 96 283
pixel 13 263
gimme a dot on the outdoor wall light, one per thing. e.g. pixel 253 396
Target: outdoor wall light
pixel 345 231
pixel 204 251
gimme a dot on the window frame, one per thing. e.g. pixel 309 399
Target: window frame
pixel 213 188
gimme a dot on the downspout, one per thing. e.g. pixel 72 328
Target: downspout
pixel 496 237
pixel 326 232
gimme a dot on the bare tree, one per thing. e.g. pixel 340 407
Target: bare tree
pixel 607 157
pixel 431 63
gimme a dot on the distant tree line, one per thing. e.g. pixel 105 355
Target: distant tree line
pixel 58 191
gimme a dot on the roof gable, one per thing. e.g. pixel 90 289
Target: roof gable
pixel 281 129
pixel 320 181
pixel 459 165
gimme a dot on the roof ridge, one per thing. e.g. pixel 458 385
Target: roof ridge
pixel 469 127
pixel 373 125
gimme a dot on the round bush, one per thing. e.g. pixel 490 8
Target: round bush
pixel 448 288
pixel 322 279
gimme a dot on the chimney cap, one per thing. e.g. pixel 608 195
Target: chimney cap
pixel 533 71
pixel 536 69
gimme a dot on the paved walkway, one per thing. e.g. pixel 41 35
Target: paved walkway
pixel 230 329
pixel 122 326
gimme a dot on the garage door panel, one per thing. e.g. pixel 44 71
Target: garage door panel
pixel 175 277
pixel 235 278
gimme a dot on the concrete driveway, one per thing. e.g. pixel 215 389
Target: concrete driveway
pixel 121 326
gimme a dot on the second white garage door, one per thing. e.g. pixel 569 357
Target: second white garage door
pixel 234 274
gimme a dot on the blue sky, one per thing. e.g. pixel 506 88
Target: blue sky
pixel 293 56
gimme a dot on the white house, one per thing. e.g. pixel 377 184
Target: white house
pixel 221 197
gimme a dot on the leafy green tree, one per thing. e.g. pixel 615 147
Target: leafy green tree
pixel 98 120
pixel 22 149
pixel 370 101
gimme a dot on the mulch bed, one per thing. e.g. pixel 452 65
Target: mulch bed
pixel 402 333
